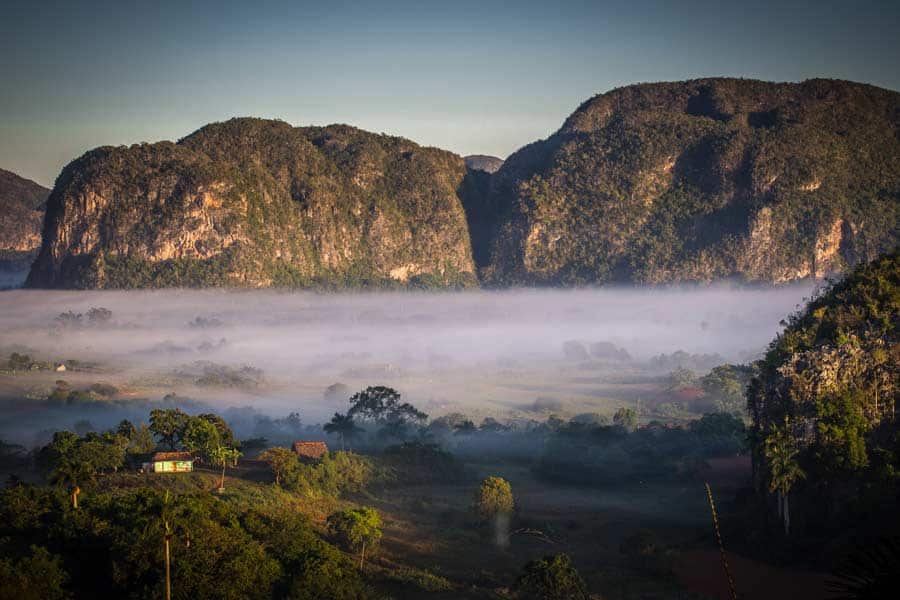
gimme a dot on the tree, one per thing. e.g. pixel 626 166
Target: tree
pixel 103 451
pixel 141 441
pixel 446 424
pixel 343 426
pixel 200 435
pixel 725 385
pixel 61 446
pixel 225 432
pixel 72 474
pixel 168 424
pixel 781 452
pixel 494 497
pixel 492 425
pixel 551 578
pixel 38 576
pixel 465 428
pixel 221 455
pixel 125 428
pixel 99 315
pixel 356 529
pixel 681 378
pixel 626 418
pixel 281 460
pixel 382 405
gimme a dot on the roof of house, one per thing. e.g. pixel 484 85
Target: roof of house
pixel 310 449
pixel 164 456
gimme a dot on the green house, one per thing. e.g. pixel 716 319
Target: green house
pixel 170 462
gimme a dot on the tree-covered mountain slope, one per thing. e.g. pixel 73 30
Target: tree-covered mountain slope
pixel 256 203
pixel 653 183
pixel 21 214
pixel 825 423
pixel 702 180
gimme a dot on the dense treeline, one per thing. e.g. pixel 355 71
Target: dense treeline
pixel 112 546
pixel 825 436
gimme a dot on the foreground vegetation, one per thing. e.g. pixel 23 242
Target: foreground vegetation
pixel 404 506
pixel 825 437
pixel 277 526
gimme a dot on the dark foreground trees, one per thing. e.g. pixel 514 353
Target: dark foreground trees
pixel 551 578
pixel 825 431
pixel 112 547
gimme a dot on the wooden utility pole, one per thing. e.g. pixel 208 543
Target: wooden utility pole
pixel 712 507
pixel 167 537
pixel 168 573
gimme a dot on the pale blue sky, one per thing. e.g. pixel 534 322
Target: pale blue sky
pixel 471 77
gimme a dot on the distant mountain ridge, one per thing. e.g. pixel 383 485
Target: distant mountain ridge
pixel 652 183
pixel 483 162
pixel 22 204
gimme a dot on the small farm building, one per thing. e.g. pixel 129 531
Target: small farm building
pixel 310 451
pixel 170 462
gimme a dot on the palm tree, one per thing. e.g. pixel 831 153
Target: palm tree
pixel 71 474
pixel 781 453
pixel 222 455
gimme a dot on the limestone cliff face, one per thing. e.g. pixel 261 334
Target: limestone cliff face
pixel 258 203
pixel 21 215
pixel 654 183
pixel 701 180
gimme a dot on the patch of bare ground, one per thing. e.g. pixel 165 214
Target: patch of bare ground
pixel 700 570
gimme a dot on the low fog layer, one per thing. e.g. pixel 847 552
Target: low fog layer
pixel 441 350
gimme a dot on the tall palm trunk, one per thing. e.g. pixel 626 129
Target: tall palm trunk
pixel 362 556
pixel 787 514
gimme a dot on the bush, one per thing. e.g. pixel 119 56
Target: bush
pixel 494 497
pixel 357 529
pixel 551 578
pixel 38 576
pixel 422 462
pixel 335 474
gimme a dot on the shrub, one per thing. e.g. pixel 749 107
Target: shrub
pixel 356 529
pixel 551 578
pixel 494 497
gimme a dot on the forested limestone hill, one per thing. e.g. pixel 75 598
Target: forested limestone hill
pixel 702 180
pixel 690 181
pixel 824 406
pixel 21 214
pixel 258 203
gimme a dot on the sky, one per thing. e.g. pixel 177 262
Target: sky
pixel 480 77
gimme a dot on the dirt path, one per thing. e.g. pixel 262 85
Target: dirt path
pixel 701 571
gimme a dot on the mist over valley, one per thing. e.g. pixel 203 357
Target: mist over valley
pixel 487 353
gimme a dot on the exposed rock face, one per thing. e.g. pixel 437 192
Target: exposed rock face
pixel 22 205
pixel 654 183
pixel 483 162
pixel 258 203
pixel 700 180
